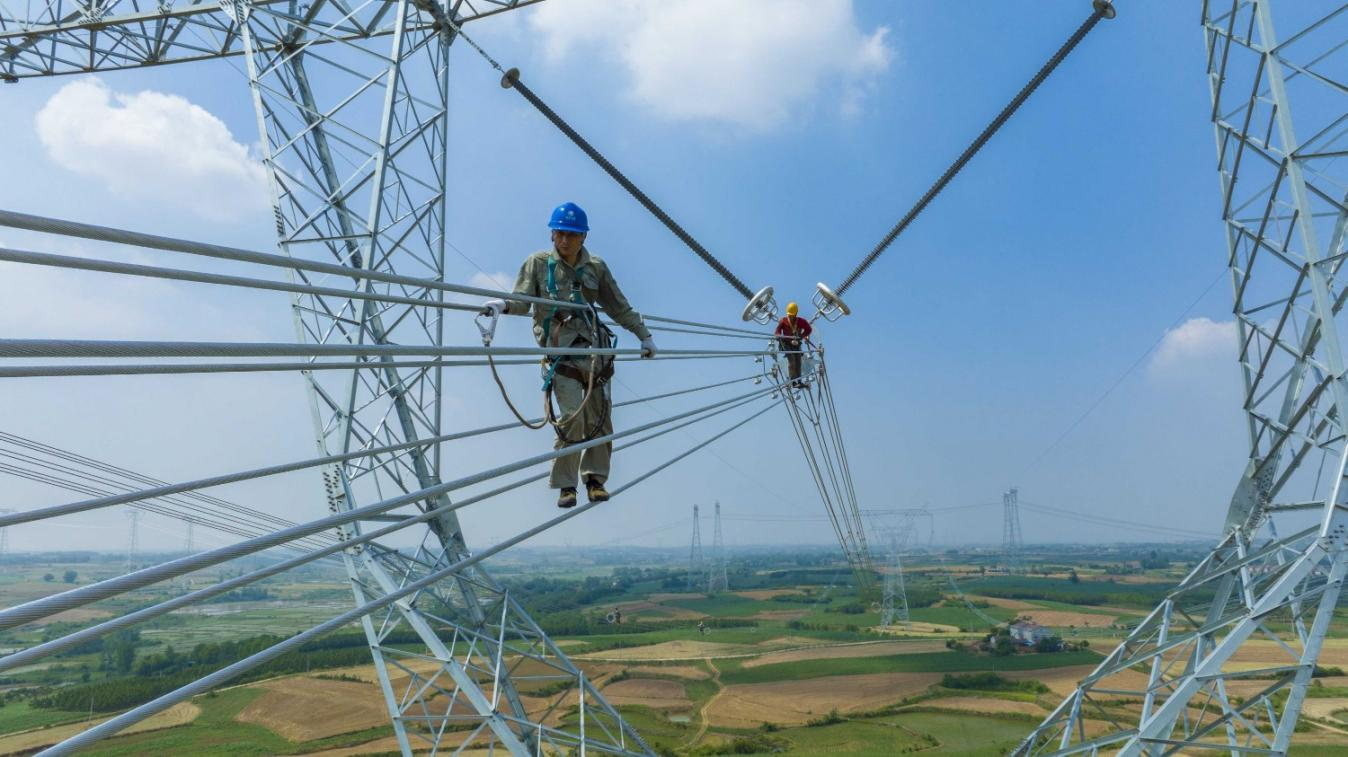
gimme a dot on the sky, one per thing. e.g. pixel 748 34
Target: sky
pixel 1058 320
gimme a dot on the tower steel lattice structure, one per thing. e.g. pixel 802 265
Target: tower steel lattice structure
pixel 352 105
pixel 1276 572
pixel 697 569
pixel 4 536
pixel 717 579
pixel 132 539
pixel 899 531
pixel 1013 545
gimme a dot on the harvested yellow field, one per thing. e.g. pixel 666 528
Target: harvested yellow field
pixel 1063 681
pixel 30 741
pixel 1324 709
pixel 865 649
pixel 796 702
pixel 766 593
pixel 933 629
pixel 1062 619
pixel 985 704
pixel 1010 604
pixel 650 692
pixel 300 708
pixel 783 615
pixel 687 672
pixel 77 615
pixel 671 650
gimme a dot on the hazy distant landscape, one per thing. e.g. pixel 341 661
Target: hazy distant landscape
pixel 789 660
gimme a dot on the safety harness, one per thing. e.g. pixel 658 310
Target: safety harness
pixel 601 366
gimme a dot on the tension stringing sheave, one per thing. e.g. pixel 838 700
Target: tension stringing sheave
pixel 1101 9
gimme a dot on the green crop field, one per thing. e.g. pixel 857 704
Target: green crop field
pixel 929 662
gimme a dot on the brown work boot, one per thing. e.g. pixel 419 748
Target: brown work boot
pixel 596 491
pixel 567 498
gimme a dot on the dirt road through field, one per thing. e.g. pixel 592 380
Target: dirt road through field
pixel 702 713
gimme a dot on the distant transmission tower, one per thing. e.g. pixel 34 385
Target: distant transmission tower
pixel 898 536
pixel 717 580
pixel 696 567
pixel 133 539
pixel 4 537
pixel 1012 544
pixel 187 541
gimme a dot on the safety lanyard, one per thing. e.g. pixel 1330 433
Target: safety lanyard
pixel 576 297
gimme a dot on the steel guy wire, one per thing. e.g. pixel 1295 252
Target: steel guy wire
pixel 211 680
pixel 92 592
pixel 164 489
pixel 249 516
pixel 95 348
pixel 1102 9
pixel 22 657
pixel 169 508
pixel 177 369
pixel 511 80
pixel 153 241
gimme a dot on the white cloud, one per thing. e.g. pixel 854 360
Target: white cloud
pixel 500 281
pixel 1195 344
pixel 152 146
pixel 751 63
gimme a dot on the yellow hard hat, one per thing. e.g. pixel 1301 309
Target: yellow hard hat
pixel 792 308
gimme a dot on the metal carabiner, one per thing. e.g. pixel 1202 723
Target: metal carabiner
pixel 488 332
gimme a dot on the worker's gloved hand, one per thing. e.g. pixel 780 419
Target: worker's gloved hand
pixel 493 308
pixel 648 347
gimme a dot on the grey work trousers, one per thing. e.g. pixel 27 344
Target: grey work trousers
pixel 592 462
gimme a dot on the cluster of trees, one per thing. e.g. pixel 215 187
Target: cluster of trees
pixel 160 673
pixel 69 577
pixel 991 682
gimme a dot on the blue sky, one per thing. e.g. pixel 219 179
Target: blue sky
pixel 788 142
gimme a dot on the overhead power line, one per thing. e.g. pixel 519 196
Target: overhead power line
pixel 1102 9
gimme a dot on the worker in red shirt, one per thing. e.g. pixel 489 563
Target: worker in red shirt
pixel 791 331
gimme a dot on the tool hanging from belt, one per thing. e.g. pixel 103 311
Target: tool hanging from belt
pixel 601 366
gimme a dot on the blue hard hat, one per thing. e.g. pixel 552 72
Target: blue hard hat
pixel 569 217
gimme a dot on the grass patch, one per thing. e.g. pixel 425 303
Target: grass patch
pixel 214 732
pixel 960 616
pixel 859 737
pixel 926 662
pixel 21 716
pixel 725 605
pixel 964 736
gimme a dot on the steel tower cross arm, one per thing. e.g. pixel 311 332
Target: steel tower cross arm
pixel 59 37
pixel 1277 111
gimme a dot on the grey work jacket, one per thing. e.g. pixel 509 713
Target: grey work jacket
pixel 597 286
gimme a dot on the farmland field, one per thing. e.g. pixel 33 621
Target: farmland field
pixel 789 664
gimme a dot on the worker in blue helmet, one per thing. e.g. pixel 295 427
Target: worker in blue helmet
pixel 569 272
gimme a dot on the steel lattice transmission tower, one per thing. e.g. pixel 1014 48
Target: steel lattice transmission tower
pixel 352 102
pixel 696 566
pixel 1013 545
pixel 899 530
pixel 132 538
pixel 4 536
pixel 717 579
pixel 1278 105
